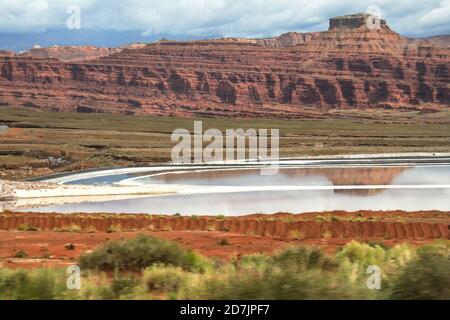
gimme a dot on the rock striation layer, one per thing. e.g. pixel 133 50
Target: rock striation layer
pixel 352 65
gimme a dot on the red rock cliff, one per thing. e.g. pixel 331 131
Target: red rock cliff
pixel 69 53
pixel 348 66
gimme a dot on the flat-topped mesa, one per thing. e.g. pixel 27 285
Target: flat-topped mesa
pixel 356 34
pixel 355 21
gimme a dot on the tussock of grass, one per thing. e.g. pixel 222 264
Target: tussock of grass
pixel 166 279
pixel 72 228
pixel 25 227
pixel 223 242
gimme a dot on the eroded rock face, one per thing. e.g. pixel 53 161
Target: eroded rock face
pixel 348 66
pixel 74 53
pixel 289 39
pixel 6 53
pixel 69 53
pixel 438 41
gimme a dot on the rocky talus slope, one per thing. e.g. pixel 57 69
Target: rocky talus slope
pixel 348 66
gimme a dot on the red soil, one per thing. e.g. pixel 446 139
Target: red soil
pixel 248 234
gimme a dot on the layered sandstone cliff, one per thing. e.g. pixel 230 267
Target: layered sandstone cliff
pixel 349 66
pixel 288 39
pixel 6 53
pixel 68 53
pixel 73 53
pixel 437 41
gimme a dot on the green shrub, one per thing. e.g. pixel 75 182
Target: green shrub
pixel 115 228
pixel 20 254
pixel 426 277
pixel 294 273
pixel 255 261
pixel 223 242
pixel 44 284
pixel 139 253
pixel 73 228
pixel 362 254
pixel 165 279
pixel 263 283
pixel 375 244
pixel 25 227
pixel 398 256
pixel 69 246
pixel 302 258
pixel 123 286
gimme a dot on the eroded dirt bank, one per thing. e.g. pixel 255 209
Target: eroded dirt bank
pixel 359 225
pixel 43 237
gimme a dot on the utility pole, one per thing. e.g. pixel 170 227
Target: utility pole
pixel 82 157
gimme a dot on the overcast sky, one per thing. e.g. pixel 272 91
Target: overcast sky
pixel 250 18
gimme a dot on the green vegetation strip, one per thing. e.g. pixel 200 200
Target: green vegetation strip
pixel 147 268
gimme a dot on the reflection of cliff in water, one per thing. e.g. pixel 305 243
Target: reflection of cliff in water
pixel 362 176
pixel 213 174
pixel 337 176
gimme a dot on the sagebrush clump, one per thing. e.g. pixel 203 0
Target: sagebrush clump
pixel 139 253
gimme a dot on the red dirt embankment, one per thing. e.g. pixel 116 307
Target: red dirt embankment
pixel 360 225
pixel 43 237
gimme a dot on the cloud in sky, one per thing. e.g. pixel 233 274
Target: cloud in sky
pixel 225 17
